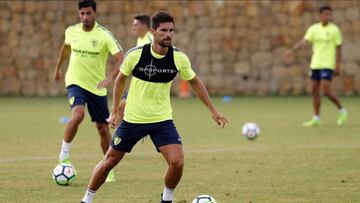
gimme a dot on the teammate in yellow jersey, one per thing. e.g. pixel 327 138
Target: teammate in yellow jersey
pixel 141 29
pixel 326 41
pixel 148 110
pixel 88 44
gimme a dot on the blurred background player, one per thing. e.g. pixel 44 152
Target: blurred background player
pixel 88 44
pixel 326 41
pixel 141 29
pixel 148 108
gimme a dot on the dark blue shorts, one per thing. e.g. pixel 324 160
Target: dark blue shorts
pixel 128 134
pixel 97 105
pixel 321 74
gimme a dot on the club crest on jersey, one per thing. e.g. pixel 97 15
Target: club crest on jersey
pixel 117 140
pixel 94 42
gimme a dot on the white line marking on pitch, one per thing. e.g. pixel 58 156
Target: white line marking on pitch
pixel 190 151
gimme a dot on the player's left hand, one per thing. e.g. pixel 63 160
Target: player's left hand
pixel 337 70
pixel 288 54
pixel 220 119
pixel 104 84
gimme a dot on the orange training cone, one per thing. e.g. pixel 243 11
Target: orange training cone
pixel 184 89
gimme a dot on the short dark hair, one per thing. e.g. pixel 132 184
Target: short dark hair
pixel 87 3
pixel 161 17
pixel 145 19
pixel 324 8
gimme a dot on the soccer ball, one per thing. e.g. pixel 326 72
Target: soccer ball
pixel 64 174
pixel 204 199
pixel 250 130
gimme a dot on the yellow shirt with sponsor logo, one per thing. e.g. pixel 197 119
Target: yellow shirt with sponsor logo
pixel 146 39
pixel 89 53
pixel 324 40
pixel 149 102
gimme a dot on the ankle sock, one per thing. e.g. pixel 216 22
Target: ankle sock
pixel 168 194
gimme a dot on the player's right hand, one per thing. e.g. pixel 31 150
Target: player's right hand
pixel 58 75
pixel 113 120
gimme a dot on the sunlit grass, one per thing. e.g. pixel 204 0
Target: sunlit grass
pixel 286 163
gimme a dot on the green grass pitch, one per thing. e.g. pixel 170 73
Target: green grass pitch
pixel 286 163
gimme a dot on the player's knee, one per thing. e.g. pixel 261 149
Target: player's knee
pixel 111 159
pixel 103 167
pixel 108 164
pixel 103 129
pixel 178 164
pixel 327 93
pixel 315 90
pixel 77 117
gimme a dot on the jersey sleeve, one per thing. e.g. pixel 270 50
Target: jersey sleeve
pixel 67 36
pixel 132 57
pixel 149 37
pixel 309 35
pixel 183 65
pixel 112 44
pixel 338 37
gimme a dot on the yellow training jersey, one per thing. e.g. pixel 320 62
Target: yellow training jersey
pixel 324 40
pixel 89 52
pixel 148 99
pixel 146 39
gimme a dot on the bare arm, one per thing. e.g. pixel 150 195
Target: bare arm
pixel 119 87
pixel 300 44
pixel 114 72
pixel 338 60
pixel 64 54
pixel 203 95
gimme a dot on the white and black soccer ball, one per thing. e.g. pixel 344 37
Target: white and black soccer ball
pixel 204 199
pixel 250 130
pixel 64 174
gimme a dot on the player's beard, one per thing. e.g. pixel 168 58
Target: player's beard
pixel 165 42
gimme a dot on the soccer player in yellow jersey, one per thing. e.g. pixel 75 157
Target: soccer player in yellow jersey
pixel 148 110
pixel 326 41
pixel 88 44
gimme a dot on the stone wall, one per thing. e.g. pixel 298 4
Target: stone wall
pixel 236 47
